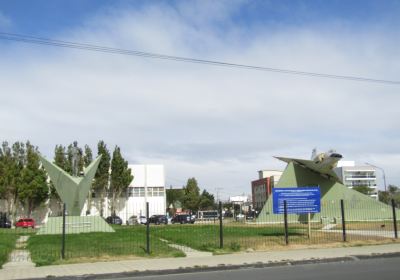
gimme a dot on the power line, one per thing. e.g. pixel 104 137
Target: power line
pixel 97 48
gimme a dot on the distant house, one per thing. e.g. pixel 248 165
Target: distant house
pixel 261 188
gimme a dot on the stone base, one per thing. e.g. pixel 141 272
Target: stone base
pixel 75 224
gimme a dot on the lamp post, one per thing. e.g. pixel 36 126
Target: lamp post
pixel 383 172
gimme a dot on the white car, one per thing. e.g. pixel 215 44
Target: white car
pixel 239 217
pixel 142 220
pixel 136 220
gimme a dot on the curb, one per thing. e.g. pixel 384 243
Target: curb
pixel 221 267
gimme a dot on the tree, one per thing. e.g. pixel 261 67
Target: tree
pixel 11 163
pixel 121 177
pixel 207 201
pixel 61 161
pixel 102 173
pixel 393 192
pixel 174 196
pixel 88 156
pixel 87 159
pixel 34 189
pixel 363 189
pixel 192 195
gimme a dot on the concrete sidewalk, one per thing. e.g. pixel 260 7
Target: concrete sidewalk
pixel 201 261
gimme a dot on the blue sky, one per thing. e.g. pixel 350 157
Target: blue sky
pixel 219 125
pixel 50 17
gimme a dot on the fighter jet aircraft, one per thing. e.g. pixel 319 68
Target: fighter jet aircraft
pixel 322 163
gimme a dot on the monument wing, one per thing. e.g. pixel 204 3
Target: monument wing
pixel 65 184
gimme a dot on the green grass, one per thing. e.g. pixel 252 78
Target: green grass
pixel 236 237
pixel 125 242
pixel 130 241
pixel 7 244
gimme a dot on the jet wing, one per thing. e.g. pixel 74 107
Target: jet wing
pixel 311 165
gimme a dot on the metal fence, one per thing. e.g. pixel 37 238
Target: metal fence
pixel 59 239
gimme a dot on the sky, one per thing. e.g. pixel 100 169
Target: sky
pixel 217 124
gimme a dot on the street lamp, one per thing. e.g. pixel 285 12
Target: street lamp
pixel 383 172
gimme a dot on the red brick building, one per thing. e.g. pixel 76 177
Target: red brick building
pixel 261 189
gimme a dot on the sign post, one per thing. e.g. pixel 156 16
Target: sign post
pixel 304 200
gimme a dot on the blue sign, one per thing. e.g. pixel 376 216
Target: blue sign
pixel 298 200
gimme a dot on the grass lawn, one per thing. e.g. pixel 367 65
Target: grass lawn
pixel 373 225
pixel 130 241
pixel 124 243
pixel 7 244
pixel 236 237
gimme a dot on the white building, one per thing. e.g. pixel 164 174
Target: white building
pixel 148 185
pixel 353 175
pixel 239 199
pixel 275 174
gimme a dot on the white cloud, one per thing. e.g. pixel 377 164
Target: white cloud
pixel 219 125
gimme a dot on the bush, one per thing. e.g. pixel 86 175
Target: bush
pixel 234 246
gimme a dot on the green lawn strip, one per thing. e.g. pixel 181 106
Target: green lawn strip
pixel 126 241
pixel 7 244
pixel 206 237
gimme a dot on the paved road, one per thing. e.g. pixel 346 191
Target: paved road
pixel 377 268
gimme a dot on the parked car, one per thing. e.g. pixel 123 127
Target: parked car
pixel 133 220
pixel 25 223
pixel 5 223
pixel 239 217
pixel 250 217
pixel 142 220
pixel 183 219
pixel 114 220
pixel 158 219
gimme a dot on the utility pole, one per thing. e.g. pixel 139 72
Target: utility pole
pixel 217 191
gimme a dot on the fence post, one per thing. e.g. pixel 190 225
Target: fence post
pixel 286 223
pixel 343 221
pixel 221 233
pixel 63 232
pixel 394 219
pixel 147 229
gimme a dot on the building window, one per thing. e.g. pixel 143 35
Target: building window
pixel 138 192
pixel 155 191
pixel 130 192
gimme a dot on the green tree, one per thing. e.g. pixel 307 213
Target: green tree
pixel 34 189
pixel 87 159
pixel 12 161
pixel 121 177
pixel 60 159
pixel 192 195
pixel 363 189
pixel 174 196
pixel 207 201
pixel 88 156
pixel 393 192
pixel 102 174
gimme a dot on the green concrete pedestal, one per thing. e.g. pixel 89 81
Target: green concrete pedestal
pixel 75 224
